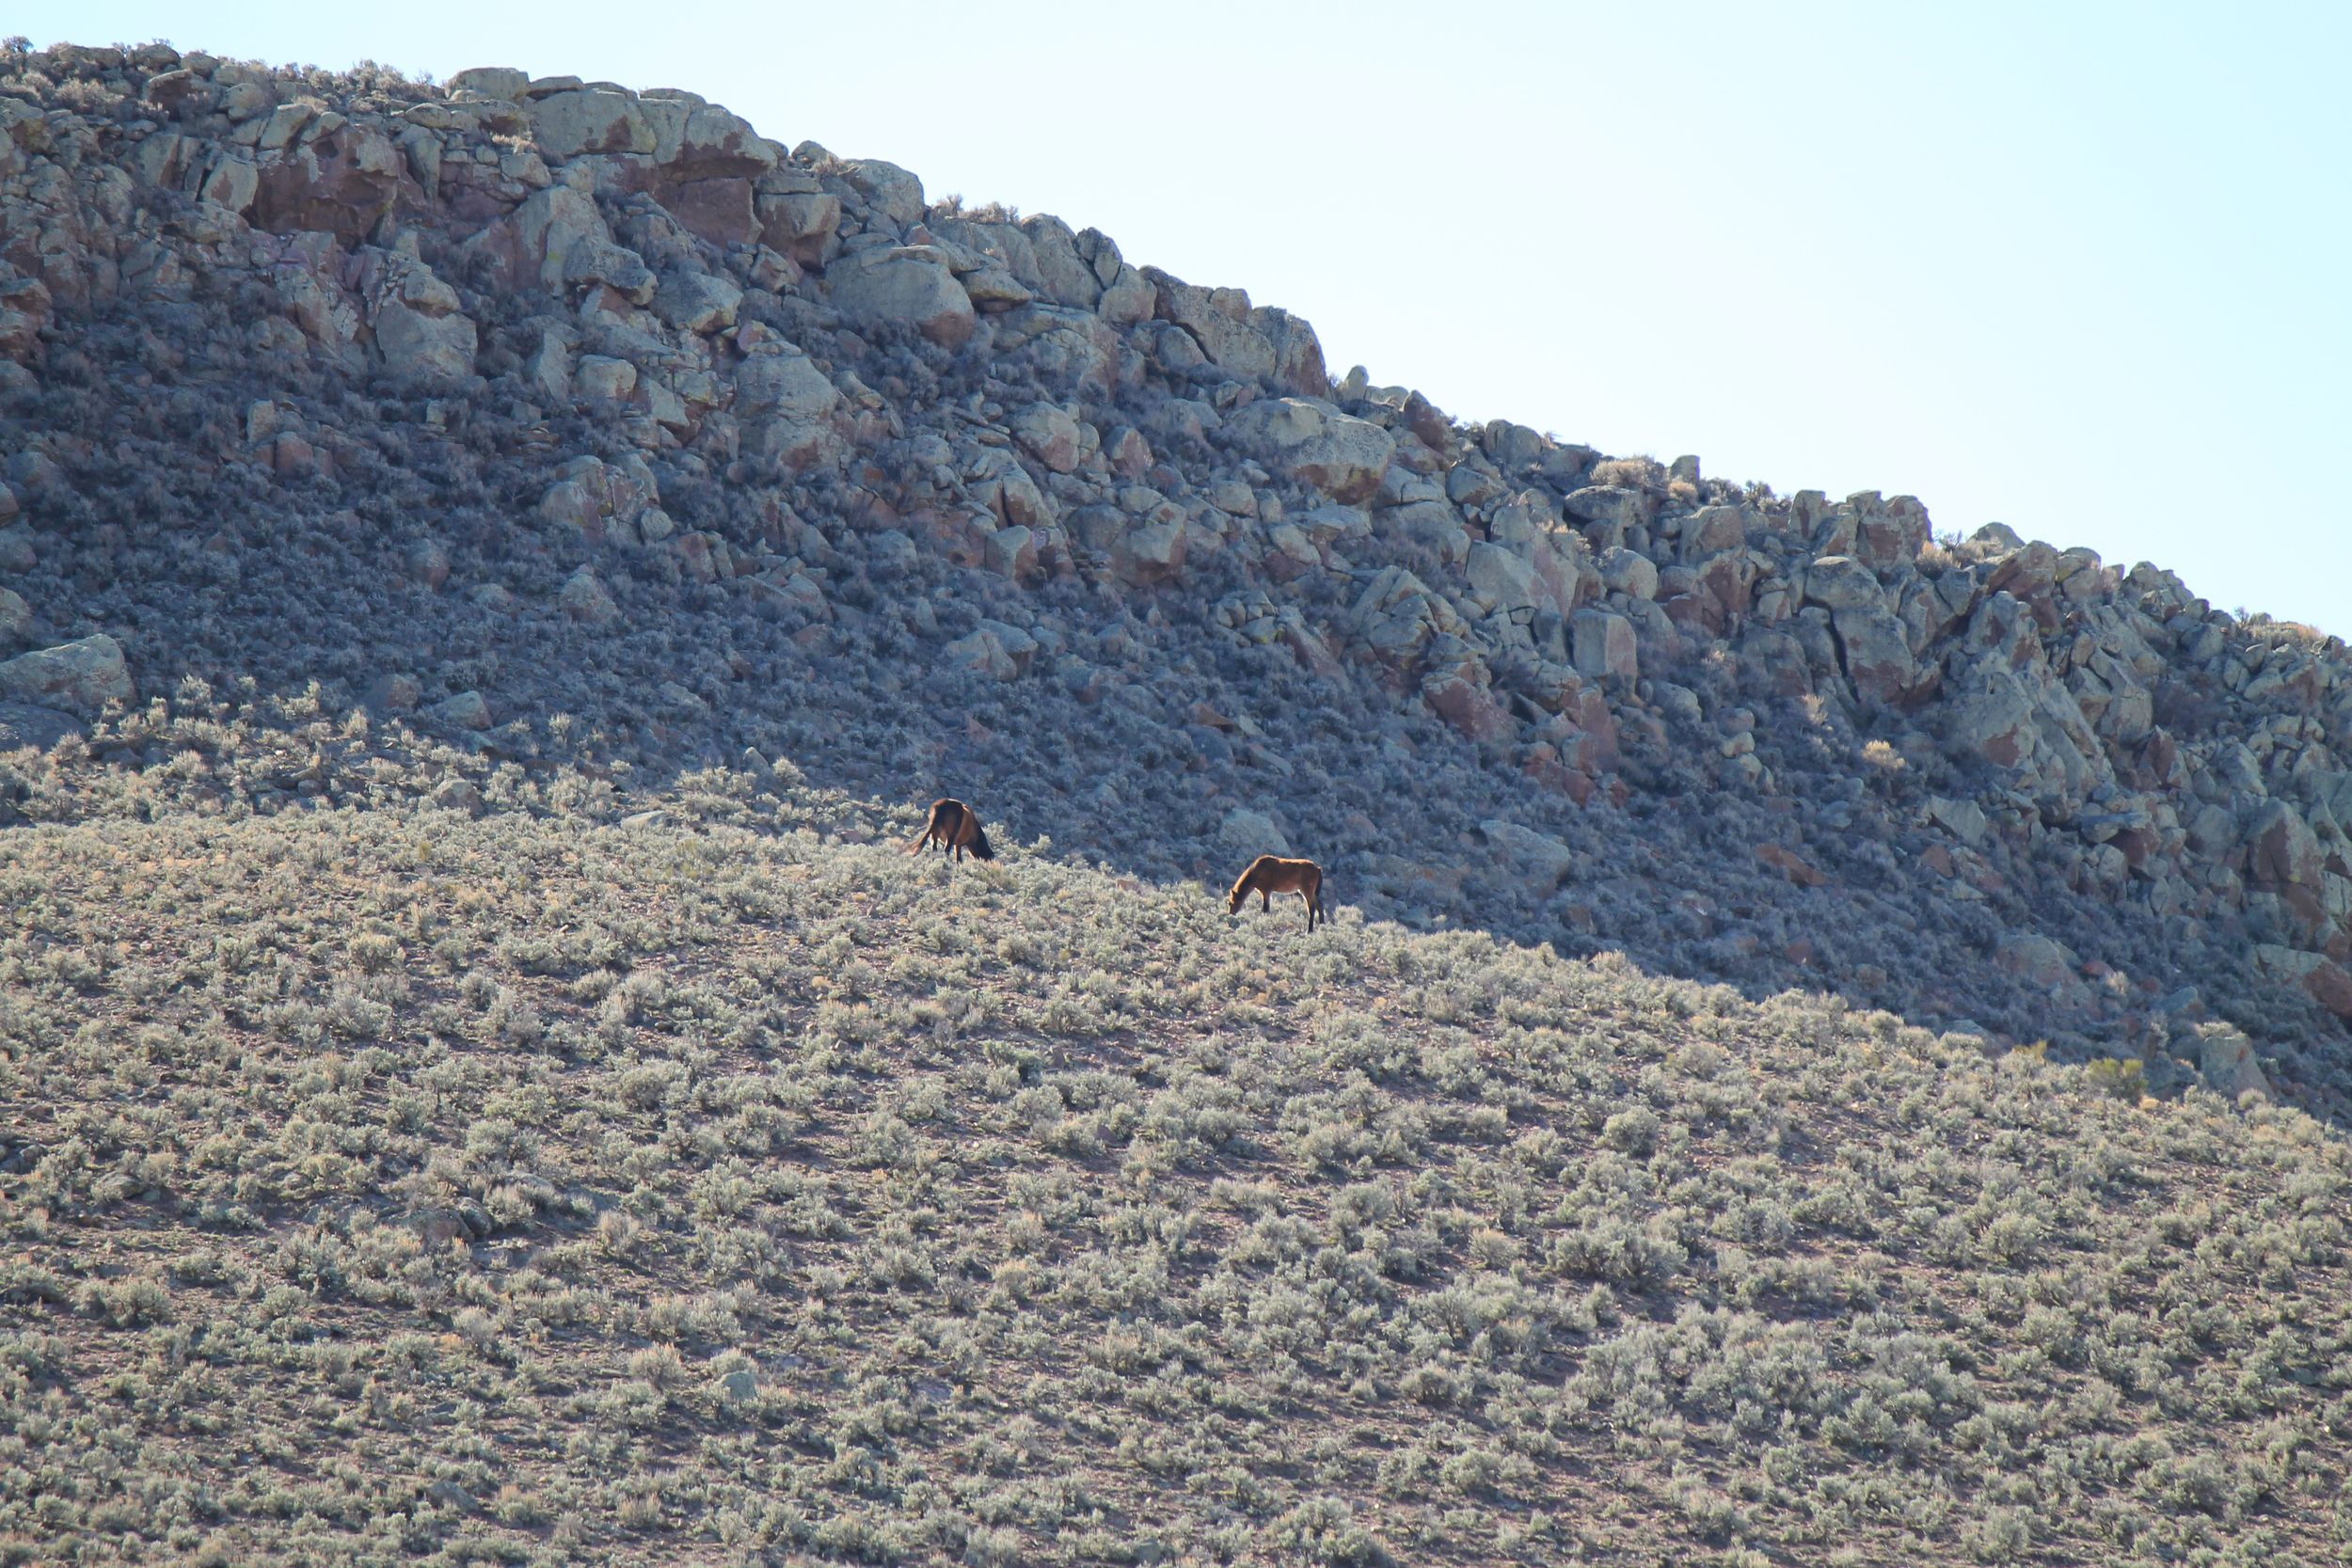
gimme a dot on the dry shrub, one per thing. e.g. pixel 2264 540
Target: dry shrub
pixel 1633 473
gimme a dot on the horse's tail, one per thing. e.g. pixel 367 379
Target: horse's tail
pixel 979 843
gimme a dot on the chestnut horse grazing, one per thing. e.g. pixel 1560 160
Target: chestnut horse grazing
pixel 954 826
pixel 1271 874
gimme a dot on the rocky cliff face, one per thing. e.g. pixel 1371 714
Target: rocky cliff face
pixel 567 427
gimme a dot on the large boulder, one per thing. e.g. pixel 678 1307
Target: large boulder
pixel 1773 664
pixel 2024 720
pixel 1220 321
pixel 1627 572
pixel 1148 556
pixel 467 711
pixel 1878 654
pixel 1892 534
pixel 895 193
pixel 568 124
pixel 24 308
pixel 1312 442
pixel 1048 433
pixel 1469 708
pixel 1504 580
pixel 696 301
pixel 341 184
pixel 994 649
pixel 1605 645
pixel 1614 507
pixel 1543 861
pixel 584 598
pixel 81 677
pixel 1251 833
pixel 901 286
pixel 798 224
pixel 1964 819
pixel 1710 531
pixel 492 81
pixel 2225 1057
pixel 784 383
pixel 24 725
pixel 417 343
pixel 2042 962
pixel 531 246
pixel 1841 582
pixel 599 500
pixel 693 140
pixel 2282 849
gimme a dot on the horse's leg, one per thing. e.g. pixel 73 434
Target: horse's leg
pixel 1265 901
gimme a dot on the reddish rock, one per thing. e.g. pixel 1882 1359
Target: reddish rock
pixel 1469 710
pixel 1312 651
pixel 2029 573
pixel 2330 986
pixel 2282 849
pixel 1697 610
pixel 1560 778
pixel 1791 864
pixel 1726 577
pixel 719 211
pixel 340 183
pixel 1892 536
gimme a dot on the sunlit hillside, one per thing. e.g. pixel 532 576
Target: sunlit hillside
pixel 390 1185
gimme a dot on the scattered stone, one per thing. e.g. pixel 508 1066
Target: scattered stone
pixel 1546 861
pixel 24 725
pixel 81 677
pixel 468 711
pixel 1964 819
pixel 426 563
pixel 393 693
pixel 2225 1058
pixel 995 649
pixel 2043 961
pixel 583 598
pixel 1251 833
pixel 457 795
pixel 1791 864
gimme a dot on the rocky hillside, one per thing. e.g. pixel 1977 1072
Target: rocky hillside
pixel 521 436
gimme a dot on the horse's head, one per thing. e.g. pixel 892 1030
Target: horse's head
pixel 1241 891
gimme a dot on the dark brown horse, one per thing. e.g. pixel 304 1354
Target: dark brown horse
pixel 953 826
pixel 1270 874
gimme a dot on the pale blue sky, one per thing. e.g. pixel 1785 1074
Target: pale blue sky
pixel 2081 268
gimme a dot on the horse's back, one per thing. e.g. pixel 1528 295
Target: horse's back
pixel 1280 874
